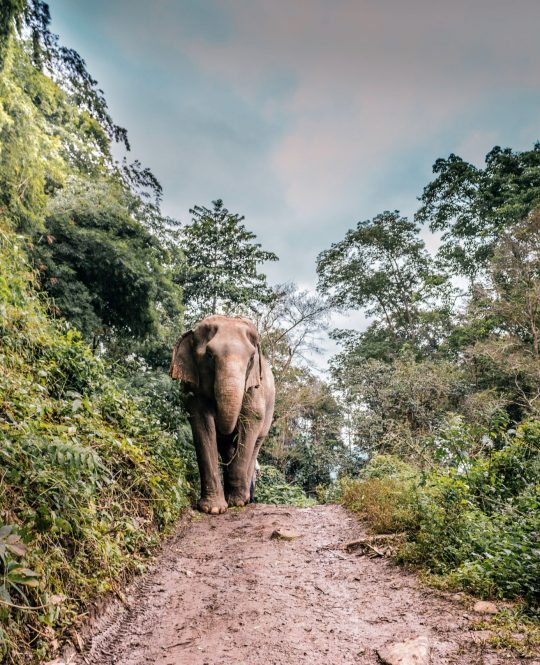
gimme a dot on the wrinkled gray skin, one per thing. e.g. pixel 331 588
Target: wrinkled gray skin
pixel 230 402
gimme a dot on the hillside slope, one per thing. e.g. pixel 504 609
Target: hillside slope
pixel 88 481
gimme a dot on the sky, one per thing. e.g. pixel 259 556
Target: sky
pixel 308 116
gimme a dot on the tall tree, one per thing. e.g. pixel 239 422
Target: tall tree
pixel 474 206
pixel 105 271
pixel 10 12
pixel 102 248
pixel 383 268
pixel 221 272
pixel 500 334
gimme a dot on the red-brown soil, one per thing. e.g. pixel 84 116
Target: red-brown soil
pixel 223 592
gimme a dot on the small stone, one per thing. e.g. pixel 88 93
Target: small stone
pixel 485 607
pixel 281 534
pixel 411 652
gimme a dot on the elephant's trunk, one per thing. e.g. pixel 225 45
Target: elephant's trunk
pixel 229 389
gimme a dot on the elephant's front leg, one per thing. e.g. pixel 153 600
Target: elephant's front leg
pixel 239 471
pixel 204 437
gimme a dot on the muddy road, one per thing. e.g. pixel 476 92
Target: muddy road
pixel 224 592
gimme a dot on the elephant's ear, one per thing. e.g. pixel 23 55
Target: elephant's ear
pixel 254 377
pixel 183 364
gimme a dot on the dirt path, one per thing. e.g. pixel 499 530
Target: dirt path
pixel 224 593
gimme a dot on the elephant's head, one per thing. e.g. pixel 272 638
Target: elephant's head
pixel 221 359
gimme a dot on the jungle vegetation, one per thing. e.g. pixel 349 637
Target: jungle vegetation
pixel 427 424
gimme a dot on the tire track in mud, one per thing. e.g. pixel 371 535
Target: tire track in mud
pixel 224 593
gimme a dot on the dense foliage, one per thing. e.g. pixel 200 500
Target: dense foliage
pixel 383 267
pixel 93 462
pixel 103 250
pixel 89 476
pixel 429 426
pixel 273 488
pixel 441 390
pixel 473 206
pixel 476 523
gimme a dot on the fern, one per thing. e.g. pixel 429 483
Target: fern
pixel 59 453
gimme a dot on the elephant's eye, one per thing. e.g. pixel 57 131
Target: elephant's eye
pixel 209 355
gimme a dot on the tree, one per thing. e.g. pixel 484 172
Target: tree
pixel 314 448
pixel 395 407
pixel 104 252
pixel 105 271
pixel 64 66
pixel 500 334
pixel 291 324
pixel 474 206
pixel 515 276
pixel 305 442
pixel 221 265
pixel 10 11
pixel 383 268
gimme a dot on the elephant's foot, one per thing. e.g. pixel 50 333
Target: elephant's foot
pixel 212 505
pixel 237 500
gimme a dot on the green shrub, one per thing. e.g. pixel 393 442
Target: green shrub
pixel 332 493
pixel 449 524
pixel 480 524
pixel 506 560
pixel 388 466
pixel 273 488
pixel 477 524
pixel 385 494
pixel 387 504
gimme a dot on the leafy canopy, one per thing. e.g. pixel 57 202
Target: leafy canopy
pixel 102 267
pixel 221 265
pixel 383 267
pixel 473 206
pixel 104 252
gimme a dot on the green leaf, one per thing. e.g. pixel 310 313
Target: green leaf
pixel 20 575
pixel 5 530
pixel 4 594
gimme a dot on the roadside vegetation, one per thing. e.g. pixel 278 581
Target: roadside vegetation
pixel 441 389
pixel 88 478
pixel 273 488
pixel 428 424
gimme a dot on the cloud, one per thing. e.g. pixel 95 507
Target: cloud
pixel 307 116
pixel 370 78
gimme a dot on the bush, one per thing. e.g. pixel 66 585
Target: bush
pixel 273 488
pixel 477 525
pixel 489 554
pixel 332 493
pixel 385 495
pixel 388 466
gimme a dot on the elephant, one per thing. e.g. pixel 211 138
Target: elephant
pixel 230 400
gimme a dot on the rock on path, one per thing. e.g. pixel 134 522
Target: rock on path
pixel 225 592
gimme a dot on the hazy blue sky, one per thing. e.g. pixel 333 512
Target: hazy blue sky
pixel 308 115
